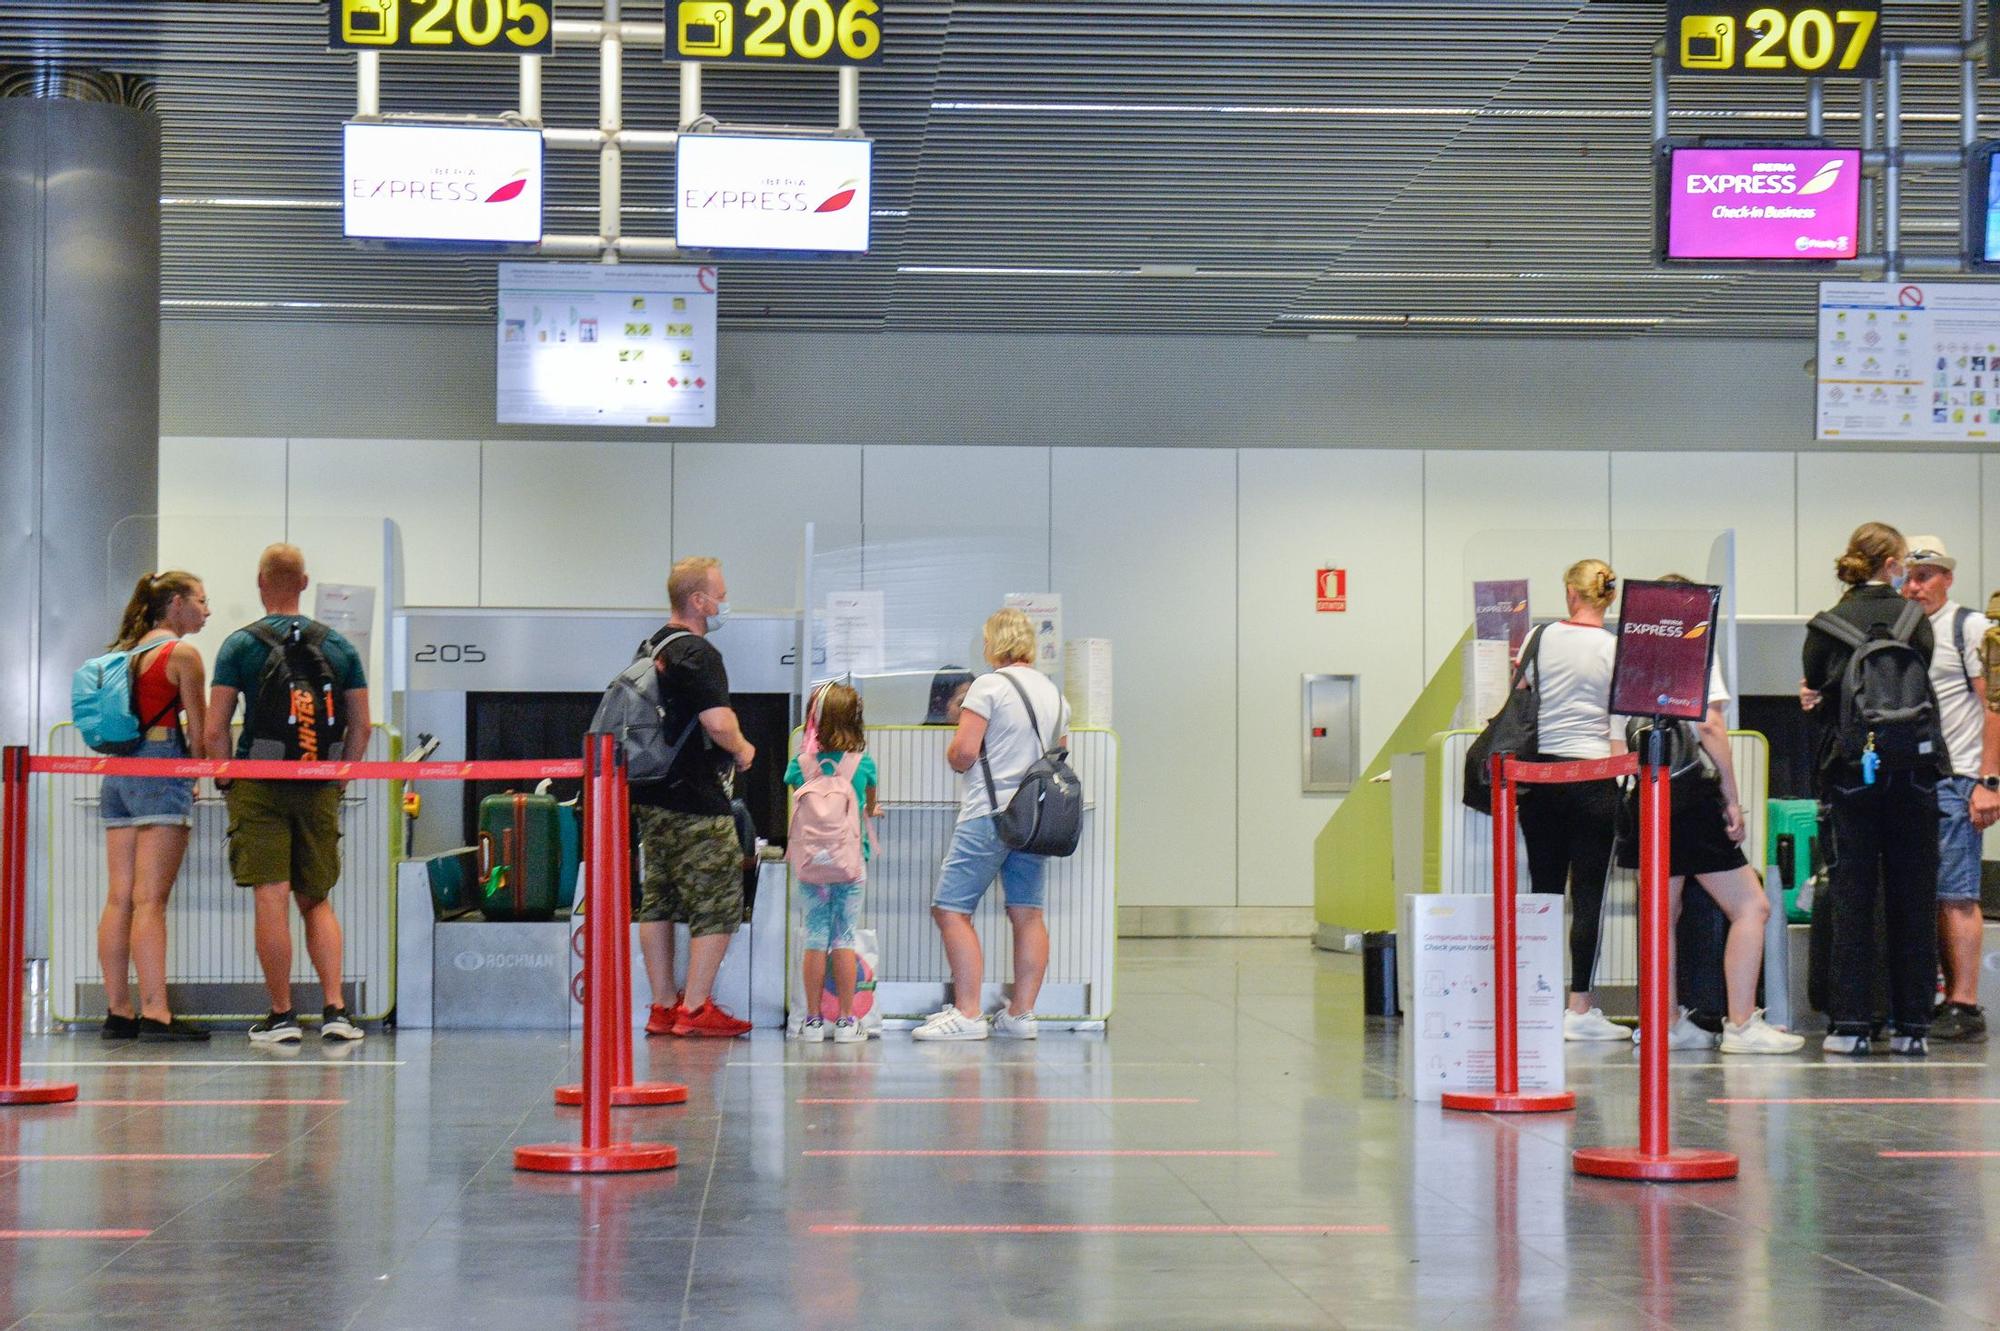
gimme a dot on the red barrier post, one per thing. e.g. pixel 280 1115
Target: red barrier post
pixel 625 1092
pixel 598 1154
pixel 1655 1160
pixel 1506 1097
pixel 14 935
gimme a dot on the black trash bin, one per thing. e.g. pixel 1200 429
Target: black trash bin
pixel 1378 975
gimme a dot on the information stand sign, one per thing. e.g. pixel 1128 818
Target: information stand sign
pixel 1666 646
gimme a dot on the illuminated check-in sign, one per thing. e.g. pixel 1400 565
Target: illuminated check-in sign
pixel 443 183
pixel 771 195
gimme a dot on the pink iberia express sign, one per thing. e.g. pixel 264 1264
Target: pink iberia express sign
pixel 1763 202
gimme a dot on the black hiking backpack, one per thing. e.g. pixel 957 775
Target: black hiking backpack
pixel 1887 704
pixel 295 714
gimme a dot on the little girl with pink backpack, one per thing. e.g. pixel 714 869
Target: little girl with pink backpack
pixel 828 848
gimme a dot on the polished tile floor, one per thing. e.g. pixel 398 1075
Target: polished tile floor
pixel 1236 1153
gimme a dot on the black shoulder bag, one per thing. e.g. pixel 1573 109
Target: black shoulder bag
pixel 1514 728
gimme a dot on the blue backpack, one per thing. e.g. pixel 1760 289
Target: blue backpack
pixel 103 694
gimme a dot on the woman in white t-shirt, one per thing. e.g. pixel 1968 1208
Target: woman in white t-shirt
pixel 1009 718
pixel 1570 827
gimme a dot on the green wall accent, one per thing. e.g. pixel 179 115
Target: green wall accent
pixel 1353 883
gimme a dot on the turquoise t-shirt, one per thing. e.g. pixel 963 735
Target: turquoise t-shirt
pixel 864 777
pixel 241 662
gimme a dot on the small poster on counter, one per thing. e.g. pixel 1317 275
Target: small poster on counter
pixel 1087 681
pixel 1448 940
pixel 1500 613
pixel 1044 612
pixel 857 633
pixel 349 611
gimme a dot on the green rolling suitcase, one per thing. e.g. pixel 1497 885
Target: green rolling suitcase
pixel 1799 820
pixel 521 857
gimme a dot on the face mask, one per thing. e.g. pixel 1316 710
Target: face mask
pixel 720 617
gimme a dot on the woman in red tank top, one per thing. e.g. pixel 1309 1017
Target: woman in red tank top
pixel 147 820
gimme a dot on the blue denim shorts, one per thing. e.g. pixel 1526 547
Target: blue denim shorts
pixel 149 801
pixel 975 857
pixel 833 911
pixel 1958 842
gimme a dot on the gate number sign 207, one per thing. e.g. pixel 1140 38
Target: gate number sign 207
pixel 766 32
pixel 1841 39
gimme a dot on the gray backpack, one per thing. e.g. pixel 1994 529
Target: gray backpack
pixel 1045 817
pixel 634 710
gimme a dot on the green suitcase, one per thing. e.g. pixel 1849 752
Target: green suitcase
pixel 1799 820
pixel 454 878
pixel 521 857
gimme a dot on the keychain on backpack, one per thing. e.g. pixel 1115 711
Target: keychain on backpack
pixel 1869 761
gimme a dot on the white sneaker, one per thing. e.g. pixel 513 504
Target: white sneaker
pixel 848 1031
pixel 951 1024
pixel 1683 1034
pixel 1592 1025
pixel 813 1029
pixel 1007 1026
pixel 1757 1036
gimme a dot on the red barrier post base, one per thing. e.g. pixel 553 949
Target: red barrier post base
pixel 1683 1165
pixel 1512 1102
pixel 641 1095
pixel 38 1093
pixel 621 1158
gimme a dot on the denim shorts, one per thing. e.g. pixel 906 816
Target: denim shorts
pixel 149 801
pixel 975 856
pixel 833 910
pixel 1958 842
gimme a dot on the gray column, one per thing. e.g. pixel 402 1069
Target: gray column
pixel 79 374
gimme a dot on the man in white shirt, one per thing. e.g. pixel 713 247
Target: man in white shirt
pixel 1968 799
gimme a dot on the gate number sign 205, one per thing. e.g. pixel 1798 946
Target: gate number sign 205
pixel 1787 38
pixel 492 27
pixel 765 32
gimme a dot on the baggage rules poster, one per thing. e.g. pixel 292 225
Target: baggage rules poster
pixel 1666 637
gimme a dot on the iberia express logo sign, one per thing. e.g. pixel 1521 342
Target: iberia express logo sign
pixel 777 195
pixel 443 183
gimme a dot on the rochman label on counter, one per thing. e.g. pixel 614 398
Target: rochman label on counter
pixel 1763 203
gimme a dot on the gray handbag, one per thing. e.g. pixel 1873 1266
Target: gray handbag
pixel 1045 817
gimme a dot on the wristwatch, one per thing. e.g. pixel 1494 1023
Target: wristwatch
pixel 1990 781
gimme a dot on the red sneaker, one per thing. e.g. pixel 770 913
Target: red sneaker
pixel 660 1020
pixel 710 1020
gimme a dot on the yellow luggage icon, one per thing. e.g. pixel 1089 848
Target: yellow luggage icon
pixel 370 22
pixel 1708 41
pixel 707 29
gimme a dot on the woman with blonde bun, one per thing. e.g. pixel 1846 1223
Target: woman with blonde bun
pixel 1570 828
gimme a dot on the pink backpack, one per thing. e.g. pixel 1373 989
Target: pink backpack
pixel 825 842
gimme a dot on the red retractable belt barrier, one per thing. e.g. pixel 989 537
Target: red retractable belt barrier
pixel 1654 1160
pixel 625 1092
pixel 1507 1097
pixel 609 878
pixel 14 933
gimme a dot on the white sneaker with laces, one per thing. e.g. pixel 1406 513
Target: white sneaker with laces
pixel 951 1024
pixel 1683 1034
pixel 813 1029
pixel 1757 1036
pixel 1007 1026
pixel 1592 1025
pixel 848 1031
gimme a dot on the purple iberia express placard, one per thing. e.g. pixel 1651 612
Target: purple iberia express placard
pixel 1763 203
pixel 1666 637
pixel 1500 613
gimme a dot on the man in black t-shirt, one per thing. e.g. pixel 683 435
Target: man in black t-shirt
pixel 693 861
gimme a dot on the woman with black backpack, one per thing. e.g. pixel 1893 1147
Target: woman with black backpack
pixel 1867 677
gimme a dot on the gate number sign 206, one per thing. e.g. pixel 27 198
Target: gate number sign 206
pixel 763 32
pixel 1787 38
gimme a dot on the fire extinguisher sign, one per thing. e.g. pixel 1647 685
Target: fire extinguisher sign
pixel 1330 593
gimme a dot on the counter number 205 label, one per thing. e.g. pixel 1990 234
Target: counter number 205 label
pixel 1787 38
pixel 770 32
pixel 489 27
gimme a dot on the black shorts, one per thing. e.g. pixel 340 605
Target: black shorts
pixel 1700 838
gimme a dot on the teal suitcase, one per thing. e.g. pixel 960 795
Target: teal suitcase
pixel 1798 820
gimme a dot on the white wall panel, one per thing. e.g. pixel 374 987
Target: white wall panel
pixel 1505 515
pixel 221 502
pixel 338 492
pixel 748 505
pixel 1143 555
pixel 586 525
pixel 1297 509
pixel 1934 493
pixel 1667 509
pixel 949 531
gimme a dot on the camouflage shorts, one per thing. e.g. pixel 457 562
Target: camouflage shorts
pixel 694 871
